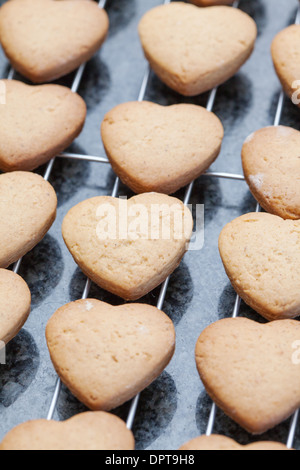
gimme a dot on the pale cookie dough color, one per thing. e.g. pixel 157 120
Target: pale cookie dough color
pixel 106 355
pixel 46 40
pixel 15 300
pixel 220 443
pixel 271 162
pixel 209 3
pixel 86 431
pixel 158 148
pixel 261 256
pixel 243 366
pixel 286 58
pixel 128 247
pixel 46 119
pixel 28 209
pixel 194 49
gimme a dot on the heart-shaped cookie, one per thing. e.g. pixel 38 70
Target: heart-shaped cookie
pixel 106 355
pixel 252 371
pixel 216 442
pixel 286 59
pixel 160 148
pixel 261 256
pixel 46 40
pixel 45 119
pixel 271 163
pixel 194 49
pixel 28 209
pixel 86 431
pixel 128 247
pixel 15 300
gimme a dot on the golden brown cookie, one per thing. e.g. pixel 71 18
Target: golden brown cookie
pixel 15 300
pixel 106 355
pixel 220 443
pixel 252 371
pixel 86 431
pixel 194 49
pixel 286 58
pixel 160 148
pixel 46 40
pixel 28 209
pixel 128 247
pixel 46 120
pixel 272 169
pixel 261 256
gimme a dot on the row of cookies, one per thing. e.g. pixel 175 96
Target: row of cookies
pixel 45 119
pixel 241 363
pixel 146 263
pixel 89 305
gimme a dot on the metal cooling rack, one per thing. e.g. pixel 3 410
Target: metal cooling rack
pixel 188 193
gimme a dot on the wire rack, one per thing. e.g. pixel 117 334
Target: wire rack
pixel 133 408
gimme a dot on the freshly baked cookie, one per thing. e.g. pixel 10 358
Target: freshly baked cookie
pixel 271 165
pixel 194 49
pixel 46 119
pixel 46 40
pixel 128 247
pixel 86 431
pixel 209 3
pixel 216 442
pixel 252 371
pixel 261 256
pixel 286 58
pixel 160 148
pixel 106 355
pixel 15 300
pixel 28 209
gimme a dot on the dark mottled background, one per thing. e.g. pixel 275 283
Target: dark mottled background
pixel 175 408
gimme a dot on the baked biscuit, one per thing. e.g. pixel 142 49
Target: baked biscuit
pixel 286 59
pixel 46 119
pixel 221 443
pixel 46 40
pixel 15 300
pixel 272 169
pixel 128 247
pixel 28 209
pixel 194 49
pixel 86 431
pixel 261 256
pixel 244 364
pixel 106 355
pixel 160 148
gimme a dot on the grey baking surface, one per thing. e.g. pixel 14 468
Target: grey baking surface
pixel 175 408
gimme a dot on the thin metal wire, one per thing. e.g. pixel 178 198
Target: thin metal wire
pixel 293 429
pixel 79 156
pixel 95 158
